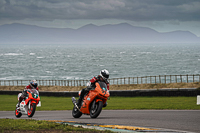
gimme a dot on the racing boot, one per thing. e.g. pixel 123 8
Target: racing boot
pixel 76 104
pixel 105 105
pixel 73 100
pixel 18 104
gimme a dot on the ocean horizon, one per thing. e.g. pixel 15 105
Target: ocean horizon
pixel 83 61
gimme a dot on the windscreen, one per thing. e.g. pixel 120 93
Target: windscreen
pixel 33 91
pixel 103 86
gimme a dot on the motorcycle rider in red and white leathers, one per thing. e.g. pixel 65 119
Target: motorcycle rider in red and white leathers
pixel 33 85
pixel 104 75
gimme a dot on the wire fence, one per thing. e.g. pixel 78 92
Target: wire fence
pixel 115 81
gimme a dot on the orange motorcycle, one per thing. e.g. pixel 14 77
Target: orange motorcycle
pixel 28 104
pixel 93 101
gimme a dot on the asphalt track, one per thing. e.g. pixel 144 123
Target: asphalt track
pixel 172 120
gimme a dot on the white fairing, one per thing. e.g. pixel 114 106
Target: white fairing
pixel 29 105
pixel 23 107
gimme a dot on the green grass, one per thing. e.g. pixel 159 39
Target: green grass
pixel 182 103
pixel 25 125
pixel 8 103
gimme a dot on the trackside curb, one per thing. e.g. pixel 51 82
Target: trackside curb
pixel 116 128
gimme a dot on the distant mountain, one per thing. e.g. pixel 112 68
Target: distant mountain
pixel 118 33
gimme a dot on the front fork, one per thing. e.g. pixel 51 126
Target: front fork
pixel 93 104
pixel 29 105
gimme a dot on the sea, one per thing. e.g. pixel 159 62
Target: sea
pixel 83 61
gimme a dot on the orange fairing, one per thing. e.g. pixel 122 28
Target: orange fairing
pixel 85 109
pixel 101 94
pixel 34 100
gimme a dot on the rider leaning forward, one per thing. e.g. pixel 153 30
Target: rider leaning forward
pixel 104 75
pixel 33 85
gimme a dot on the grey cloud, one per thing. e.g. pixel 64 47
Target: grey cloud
pixel 134 10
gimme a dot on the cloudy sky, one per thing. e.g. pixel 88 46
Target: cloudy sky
pixel 160 15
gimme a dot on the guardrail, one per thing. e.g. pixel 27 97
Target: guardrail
pixel 115 81
pixel 123 93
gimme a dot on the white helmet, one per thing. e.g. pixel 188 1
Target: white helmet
pixel 104 74
pixel 33 83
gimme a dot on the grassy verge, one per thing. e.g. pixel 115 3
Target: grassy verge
pixel 27 125
pixel 8 102
pixel 182 103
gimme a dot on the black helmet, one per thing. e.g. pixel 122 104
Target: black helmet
pixel 104 74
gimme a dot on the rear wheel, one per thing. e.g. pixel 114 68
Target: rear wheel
pixel 94 112
pixel 32 109
pixel 76 113
pixel 18 114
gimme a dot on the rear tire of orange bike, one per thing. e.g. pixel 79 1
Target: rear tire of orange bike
pixel 94 113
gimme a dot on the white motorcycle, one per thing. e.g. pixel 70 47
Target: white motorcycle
pixel 28 105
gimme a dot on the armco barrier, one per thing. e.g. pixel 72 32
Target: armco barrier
pixel 126 93
pixel 157 92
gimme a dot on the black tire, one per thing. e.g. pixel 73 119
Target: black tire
pixel 76 113
pixel 17 113
pixel 94 113
pixel 31 111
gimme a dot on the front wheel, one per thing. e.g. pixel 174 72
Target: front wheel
pixel 94 112
pixel 32 109
pixel 76 113
pixel 18 114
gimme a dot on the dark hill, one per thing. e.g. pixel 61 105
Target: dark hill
pixel 119 33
